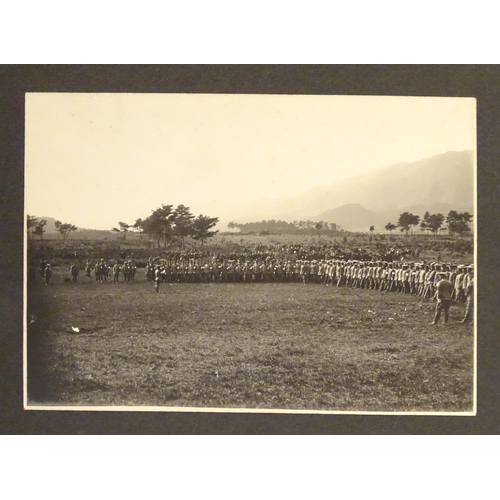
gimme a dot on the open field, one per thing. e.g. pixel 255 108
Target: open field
pixel 266 346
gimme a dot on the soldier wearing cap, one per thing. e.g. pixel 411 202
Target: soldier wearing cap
pixel 74 272
pixel 88 268
pixel 469 293
pixel 458 293
pixel 47 273
pixel 341 273
pixel 256 271
pixel 465 281
pixel 391 275
pixel 378 275
pixel 304 271
pixel 280 270
pixel 347 273
pixel 412 278
pixel 430 278
pixel 452 274
pixel 384 278
pixel 421 279
pixel 116 272
pixel 150 272
pixel 158 277
pixel 97 271
pixel 443 297
pixel 105 271
pixel 247 272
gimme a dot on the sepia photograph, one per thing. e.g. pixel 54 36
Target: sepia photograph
pixel 250 253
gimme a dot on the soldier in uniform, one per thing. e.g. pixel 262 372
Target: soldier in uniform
pixel 289 271
pixel 88 268
pixel 421 279
pixel 263 272
pixel 116 272
pixel 255 271
pixel 190 271
pixel 238 272
pixel 197 272
pixel 452 275
pixel 247 272
pixel 47 273
pixel 465 282
pixel 97 271
pixel 458 290
pixel 443 297
pixel 429 284
pixel 340 273
pixel 413 278
pixel 158 277
pixel 230 272
pixel 150 272
pixel 206 272
pixel 469 293
pixel 74 272
pixel 105 271
pixel 304 271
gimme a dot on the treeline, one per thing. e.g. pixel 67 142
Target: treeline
pixel 283 227
pixel 457 222
pixel 168 225
pixel 36 227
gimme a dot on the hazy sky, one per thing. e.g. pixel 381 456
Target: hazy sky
pixel 96 159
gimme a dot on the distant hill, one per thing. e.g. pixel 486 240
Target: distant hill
pixel 351 216
pixel 82 233
pixel 445 181
pixel 354 217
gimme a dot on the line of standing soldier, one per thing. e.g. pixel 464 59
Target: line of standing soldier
pixel 414 278
pixel 102 271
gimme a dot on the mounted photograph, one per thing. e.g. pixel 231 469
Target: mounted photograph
pixel 250 253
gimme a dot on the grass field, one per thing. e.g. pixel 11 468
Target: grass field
pixel 266 346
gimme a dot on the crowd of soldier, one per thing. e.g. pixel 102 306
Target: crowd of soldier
pixel 378 252
pixel 104 271
pixel 412 278
pixel 444 281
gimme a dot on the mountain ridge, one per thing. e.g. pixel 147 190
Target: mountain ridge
pixel 446 179
pixel 355 217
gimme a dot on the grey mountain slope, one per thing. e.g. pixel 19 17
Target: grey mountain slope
pixel 447 178
pixel 354 217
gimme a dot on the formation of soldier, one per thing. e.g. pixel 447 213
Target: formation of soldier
pixel 413 278
pixel 444 282
pixel 103 269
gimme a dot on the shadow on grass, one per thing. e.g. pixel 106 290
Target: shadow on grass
pixel 38 346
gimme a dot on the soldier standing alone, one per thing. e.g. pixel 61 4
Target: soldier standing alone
pixel 443 296
pixel 74 272
pixel 157 278
pixel 47 273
